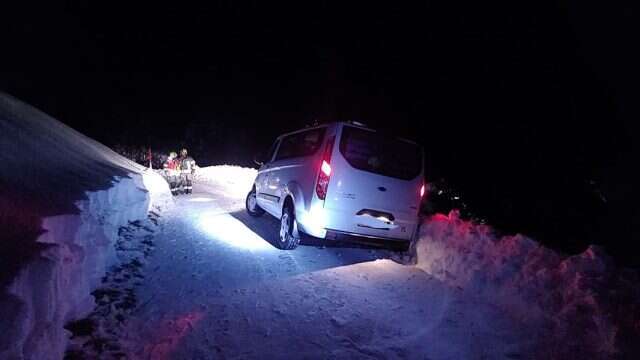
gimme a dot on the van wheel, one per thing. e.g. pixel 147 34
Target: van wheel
pixel 251 204
pixel 288 241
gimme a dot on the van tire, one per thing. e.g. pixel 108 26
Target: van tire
pixel 288 239
pixel 251 204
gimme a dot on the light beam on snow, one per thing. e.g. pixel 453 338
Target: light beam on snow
pixel 314 220
pixel 200 199
pixel 227 229
pixel 236 181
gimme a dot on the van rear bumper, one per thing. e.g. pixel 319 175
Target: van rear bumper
pixel 348 236
pixel 330 224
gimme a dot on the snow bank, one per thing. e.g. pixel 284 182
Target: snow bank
pixel 71 194
pixel 55 287
pixel 235 180
pixel 578 306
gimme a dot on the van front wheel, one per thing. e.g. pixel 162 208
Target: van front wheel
pixel 288 240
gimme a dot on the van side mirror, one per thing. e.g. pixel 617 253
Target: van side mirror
pixel 258 159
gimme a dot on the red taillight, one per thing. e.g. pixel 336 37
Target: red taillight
pixel 422 189
pixel 326 168
pixel 324 175
pixel 322 185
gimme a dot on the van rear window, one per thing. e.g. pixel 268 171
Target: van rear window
pixel 370 151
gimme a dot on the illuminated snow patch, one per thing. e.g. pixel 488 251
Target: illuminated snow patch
pixel 225 228
pixel 314 220
pixel 158 189
pixel 154 182
pixel 200 199
pixel 236 181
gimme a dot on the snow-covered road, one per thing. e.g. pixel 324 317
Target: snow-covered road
pixel 199 278
pixel 215 287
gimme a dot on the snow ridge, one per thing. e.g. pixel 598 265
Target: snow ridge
pixel 56 286
pixel 61 204
pixel 579 306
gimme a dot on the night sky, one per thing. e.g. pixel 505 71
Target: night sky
pixel 519 106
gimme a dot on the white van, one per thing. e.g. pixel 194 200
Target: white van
pixel 340 181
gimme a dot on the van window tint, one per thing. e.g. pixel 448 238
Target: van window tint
pixel 272 150
pixel 300 144
pixel 370 151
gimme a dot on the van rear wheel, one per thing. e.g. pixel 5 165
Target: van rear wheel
pixel 288 237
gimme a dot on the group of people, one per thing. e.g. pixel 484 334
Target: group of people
pixel 179 172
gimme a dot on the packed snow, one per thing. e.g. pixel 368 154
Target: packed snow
pixel 215 286
pixel 115 267
pixel 62 202
pixel 232 180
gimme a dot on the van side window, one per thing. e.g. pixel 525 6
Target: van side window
pixel 301 144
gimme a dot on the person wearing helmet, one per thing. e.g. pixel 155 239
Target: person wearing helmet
pixel 171 172
pixel 187 169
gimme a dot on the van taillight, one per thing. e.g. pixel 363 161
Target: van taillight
pixel 324 175
pixel 422 189
pixel 322 185
pixel 326 168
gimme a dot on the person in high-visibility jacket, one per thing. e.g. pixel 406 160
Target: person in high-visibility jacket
pixel 172 172
pixel 187 169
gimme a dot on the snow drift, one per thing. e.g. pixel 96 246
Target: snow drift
pixel 63 198
pixel 578 306
pixel 236 181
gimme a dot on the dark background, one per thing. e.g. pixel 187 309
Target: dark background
pixel 528 110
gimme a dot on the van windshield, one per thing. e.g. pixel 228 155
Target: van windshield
pixel 370 151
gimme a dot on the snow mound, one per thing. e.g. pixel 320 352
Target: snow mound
pixel 51 155
pixel 236 181
pixel 63 199
pixel 578 306
pixel 47 168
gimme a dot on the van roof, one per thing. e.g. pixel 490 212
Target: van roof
pixel 349 123
pixel 363 126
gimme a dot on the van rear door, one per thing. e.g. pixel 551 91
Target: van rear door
pixel 375 185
